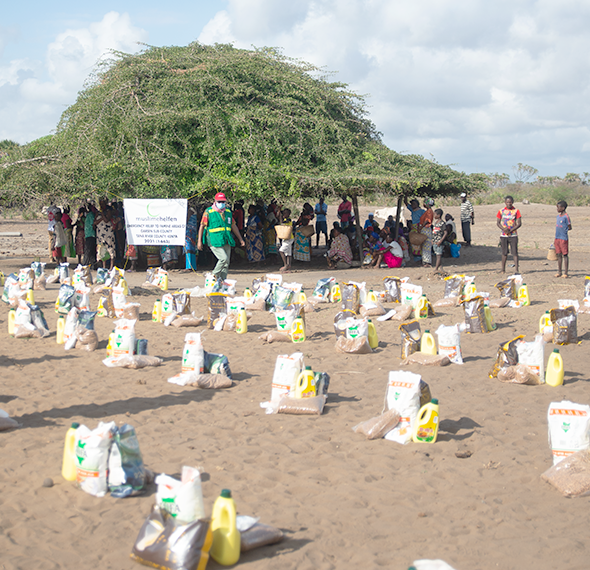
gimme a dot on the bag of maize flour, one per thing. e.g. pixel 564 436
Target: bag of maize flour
pixel 287 369
pixel 193 355
pixel 82 297
pixel 403 395
pixel 532 355
pixel 182 499
pixel 92 457
pixel 569 428
pixel 124 339
pixel 119 300
pixel 449 343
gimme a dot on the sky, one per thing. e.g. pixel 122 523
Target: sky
pixel 478 85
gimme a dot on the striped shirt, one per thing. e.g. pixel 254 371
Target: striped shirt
pixel 466 211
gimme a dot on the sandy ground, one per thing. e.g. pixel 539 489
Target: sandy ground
pixel 343 502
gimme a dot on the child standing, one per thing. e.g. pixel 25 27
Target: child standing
pixel 564 225
pixel 439 233
pixel 286 247
pixel 508 219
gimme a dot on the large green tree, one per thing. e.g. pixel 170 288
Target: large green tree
pixel 185 121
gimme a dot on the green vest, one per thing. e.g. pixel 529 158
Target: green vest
pixel 219 228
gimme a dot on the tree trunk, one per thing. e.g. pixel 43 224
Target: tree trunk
pixel 359 231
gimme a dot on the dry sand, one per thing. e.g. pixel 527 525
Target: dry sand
pixel 343 502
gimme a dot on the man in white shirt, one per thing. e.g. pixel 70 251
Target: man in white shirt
pixel 467 218
pixel 51 219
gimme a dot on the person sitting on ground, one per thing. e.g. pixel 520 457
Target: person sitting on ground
pixel 340 254
pixel 393 255
pixel 335 226
pixel 389 223
pixel 439 233
pixel 369 221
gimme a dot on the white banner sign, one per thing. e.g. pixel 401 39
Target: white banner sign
pixel 155 222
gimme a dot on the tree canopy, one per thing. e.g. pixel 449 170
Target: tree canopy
pixel 186 121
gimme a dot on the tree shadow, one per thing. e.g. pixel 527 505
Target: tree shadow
pixel 8 361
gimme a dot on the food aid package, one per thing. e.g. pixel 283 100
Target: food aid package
pixel 63 272
pixel 569 428
pixel 356 328
pixel 532 355
pixel 235 304
pixel 92 457
pixel 321 292
pixel 475 317
pixel 127 475
pixel 357 345
pixel 82 297
pixel 507 289
pixel 295 287
pixel 119 300
pixel 65 299
pixel 124 339
pixel 571 476
pixel 507 356
pixel 519 374
pixel 427 359
pixel 38 267
pixel 105 304
pixel 393 292
pixel 26 278
pixel 454 286
pixel 371 309
pixel 313 406
pixel 403 395
pixel 70 329
pixel 341 320
pixel 449 343
pixel 274 278
pixel 38 320
pixel 256 534
pixel 410 294
pixel 101 275
pixel 260 299
pixel 82 276
pixel 411 336
pixel 216 303
pixel 281 297
pixel 167 544
pixel 362 287
pixel 564 303
pixel 216 364
pixel 11 281
pixel 377 427
pixel 193 357
pixel 351 297
pixel 22 314
pixel 182 499
pixel 565 325
pixel 285 318
pixel 287 369
pixel 134 361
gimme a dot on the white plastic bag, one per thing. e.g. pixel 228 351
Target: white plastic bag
pixel 410 294
pixel 532 355
pixel 119 300
pixel 124 339
pixel 403 395
pixel 82 297
pixel 356 328
pixel 569 428
pixel 285 319
pixel 287 369
pixel 193 355
pixel 92 455
pixel 182 499
pixel 70 329
pixel 449 343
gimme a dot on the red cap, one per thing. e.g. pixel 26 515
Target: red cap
pixel 220 197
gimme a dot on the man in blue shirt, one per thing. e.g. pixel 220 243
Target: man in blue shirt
pixel 321 224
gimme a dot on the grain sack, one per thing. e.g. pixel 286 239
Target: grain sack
pixel 518 374
pixel 447 302
pixel 86 339
pixel 403 395
pixel 358 345
pixel 313 406
pixel 377 427
pixel 454 286
pixel 63 272
pixel 571 476
pixel 82 297
pixel 532 355
pixel 105 304
pixel 427 359
pixel 70 329
pixel 26 278
pixel 411 336
pixel 449 343
pixel 187 321
pixel 499 303
pixel 65 299
pixel 475 318
pixel 565 325
pixel 259 535
pixel 287 369
pixel 564 303
pixel 350 297
pixel 507 356
pixel 92 455
pixel 216 303
pixel 569 428
pixel 275 336
pixel 410 294
pixel 193 356
pixel 38 320
pixel 372 310
pixel 183 500
pixel 393 291
pixel 124 337
pixel 285 317
pixel 357 328
pixel 401 313
pixel 212 381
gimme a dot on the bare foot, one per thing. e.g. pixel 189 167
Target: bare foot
pixel 558 275
pixel 565 276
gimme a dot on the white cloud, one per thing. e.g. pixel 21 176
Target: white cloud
pixel 481 84
pixel 43 89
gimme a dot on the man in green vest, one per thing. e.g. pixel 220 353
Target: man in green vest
pixel 217 225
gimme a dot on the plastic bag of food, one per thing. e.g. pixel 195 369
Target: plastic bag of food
pixel 532 355
pixel 357 345
pixel 313 406
pixel 507 356
pixel 65 299
pixel 411 336
pixel 124 339
pixel 507 289
pixel 216 364
pixel 571 476
pixel 167 544
pixel 131 311
pixel 212 381
pixel 187 321
pixel 26 331
pixel 63 271
pixel 372 310
pixel 281 297
pixel 82 297
pixel 410 294
pixel 321 292
pixel 40 283
pixel 564 303
pixel 454 286
pixel 275 336
pixel 6 422
pixel 86 339
pixel 22 314
pixel 377 427
pixel 127 474
pixel 106 308
pixel 134 361
pixel 427 359
pixel 341 320
pixel 287 369
pixel 92 455
pixel 26 278
pixel 499 303
pixel 393 290
pixel 518 374
pixel 403 395
pixel 38 320
pixel 182 499
pixel 11 281
pixel 216 303
pixel 569 428
pixel 193 355
pixel 475 317
pixel 101 275
pixel 259 535
pixel 565 325
pixel 356 328
pixel 38 267
pixel 351 300
pixel 447 302
pixel 449 343
pixel 70 329
pixel 285 318
pixel 261 295
pixel 119 301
